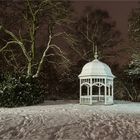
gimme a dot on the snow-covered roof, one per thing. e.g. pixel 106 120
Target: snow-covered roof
pixel 96 68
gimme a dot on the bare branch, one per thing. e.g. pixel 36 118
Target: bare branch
pixel 7 44
pixel 55 46
pixel 87 27
pixel 63 56
pixel 51 62
pixel 91 41
pixel 20 36
pixel 43 57
pixel 12 58
pixel 16 41
pixel 52 54
pixel 30 8
pixel 58 34
pixel 40 6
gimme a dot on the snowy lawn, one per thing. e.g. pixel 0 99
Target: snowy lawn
pixel 67 120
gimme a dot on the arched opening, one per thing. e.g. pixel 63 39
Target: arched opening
pixel 102 93
pixel 102 90
pixel 107 90
pixel 110 90
pixel 95 93
pixel 98 92
pixel 95 90
pixel 85 90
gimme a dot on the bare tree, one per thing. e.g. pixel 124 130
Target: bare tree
pixel 55 13
pixel 93 30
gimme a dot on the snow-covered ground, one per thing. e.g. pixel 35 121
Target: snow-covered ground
pixel 67 120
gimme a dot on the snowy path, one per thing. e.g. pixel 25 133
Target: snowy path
pixel 70 121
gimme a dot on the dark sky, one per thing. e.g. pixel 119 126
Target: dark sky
pixel 118 10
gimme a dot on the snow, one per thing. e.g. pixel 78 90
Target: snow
pixel 67 120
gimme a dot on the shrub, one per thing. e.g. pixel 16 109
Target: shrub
pixel 127 88
pixel 20 91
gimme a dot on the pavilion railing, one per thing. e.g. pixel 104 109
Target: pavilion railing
pixel 85 100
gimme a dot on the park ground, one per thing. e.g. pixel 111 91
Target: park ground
pixel 67 120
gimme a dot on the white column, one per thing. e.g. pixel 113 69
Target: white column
pixel 112 92
pixel 80 91
pixel 105 92
pixel 99 92
pixel 109 90
pixel 90 90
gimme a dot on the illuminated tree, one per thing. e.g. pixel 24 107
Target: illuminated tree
pixel 55 14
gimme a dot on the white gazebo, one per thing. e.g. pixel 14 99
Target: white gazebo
pixel 96 83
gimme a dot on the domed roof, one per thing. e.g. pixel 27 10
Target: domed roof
pixel 96 68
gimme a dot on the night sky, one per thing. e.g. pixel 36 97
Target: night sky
pixel 118 10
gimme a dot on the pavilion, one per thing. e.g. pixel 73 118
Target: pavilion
pixel 96 83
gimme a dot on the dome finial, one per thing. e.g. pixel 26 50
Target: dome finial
pixel 96 53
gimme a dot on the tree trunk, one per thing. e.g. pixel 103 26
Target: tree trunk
pixel 29 70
